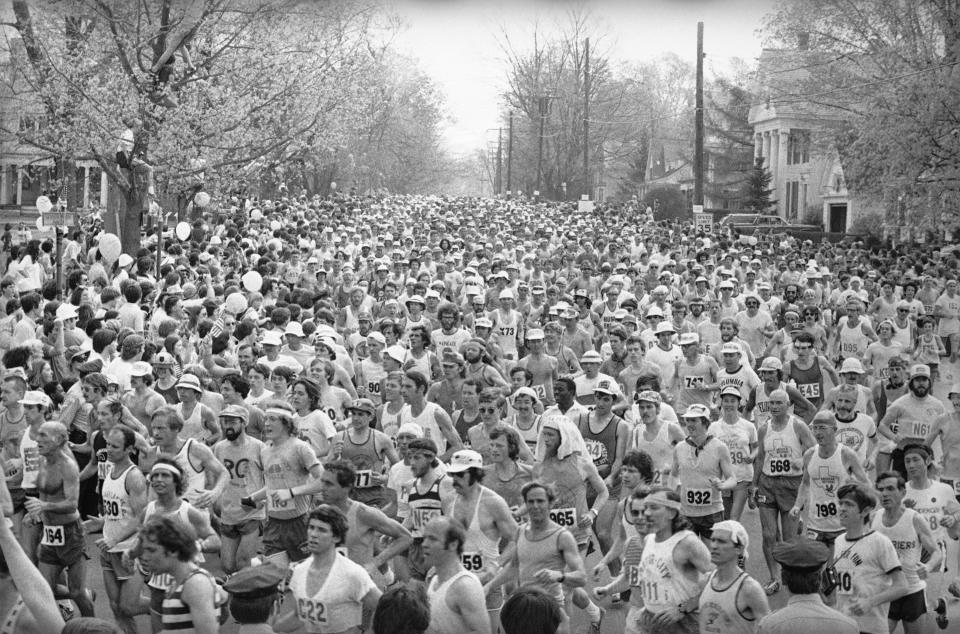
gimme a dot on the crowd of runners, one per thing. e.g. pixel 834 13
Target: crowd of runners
pixel 407 414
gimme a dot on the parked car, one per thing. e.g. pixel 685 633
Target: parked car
pixel 748 224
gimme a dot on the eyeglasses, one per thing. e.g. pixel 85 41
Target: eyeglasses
pixel 487 410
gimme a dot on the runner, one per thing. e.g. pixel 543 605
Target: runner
pixel 703 471
pixel 911 417
pixel 62 537
pixel 456 595
pixel 370 451
pixel 428 495
pixel 778 471
pixel 365 524
pixel 197 462
pixel 490 526
pixel 826 468
pixel 329 592
pixel 869 573
pixel 291 474
pixel 911 537
pixel 655 436
pixel 947 429
pixel 241 527
pixel 435 422
pixel 732 602
pixel 740 437
pixel 124 500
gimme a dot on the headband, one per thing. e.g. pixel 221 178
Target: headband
pixel 166 468
pixel 660 498
pixel 279 411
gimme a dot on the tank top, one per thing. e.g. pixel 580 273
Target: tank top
pixel 540 554
pixel 427 419
pixel 30 461
pixel 809 382
pixel 761 399
pixel 660 450
pixel 175 614
pixel 359 542
pixel 510 489
pixel 164 581
pixel 783 453
pixel 719 613
pixel 905 540
pixel 480 552
pixel 826 476
pixel 423 365
pixel 602 445
pixel 244 464
pixel 903 334
pixel 530 434
pixel 662 584
pixel 571 502
pixel 692 379
pixel 697 465
pixel 118 515
pixel 462 425
pixel 193 425
pixel 505 331
pixel 196 478
pixel 369 375
pixel 443 620
pixel 424 506
pixel 364 457
pixel 853 343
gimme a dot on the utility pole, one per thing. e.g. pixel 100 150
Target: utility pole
pixel 510 156
pixel 499 186
pixel 543 103
pixel 698 124
pixel 586 118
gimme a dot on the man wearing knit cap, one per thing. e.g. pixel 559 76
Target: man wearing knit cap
pixel 732 600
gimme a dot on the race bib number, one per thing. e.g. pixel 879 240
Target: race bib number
pixel 739 456
pixel 652 593
pixel 373 387
pixel 312 612
pixel 540 391
pixel 849 347
pixel 508 331
pixel 825 510
pixel 564 517
pixel 846 583
pixel 274 503
pixel 693 382
pixel 332 413
pixel 698 497
pixel 633 575
pixel 364 479
pixel 920 430
pixel 422 516
pixel 473 562
pixel 780 465
pixel 597 451
pixel 809 390
pixel 111 509
pixel 163 581
pixel 53 536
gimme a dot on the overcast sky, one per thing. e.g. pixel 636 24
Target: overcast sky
pixel 456 42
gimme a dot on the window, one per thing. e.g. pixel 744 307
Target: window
pixel 793 199
pixel 798 147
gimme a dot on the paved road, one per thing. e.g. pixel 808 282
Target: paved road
pixel 614 619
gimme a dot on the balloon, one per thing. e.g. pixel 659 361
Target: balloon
pixel 275 225
pixel 202 199
pixel 183 230
pixel 109 245
pixel 256 214
pixel 43 204
pixel 252 281
pixel 236 303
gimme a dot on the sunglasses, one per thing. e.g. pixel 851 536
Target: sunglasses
pixel 487 410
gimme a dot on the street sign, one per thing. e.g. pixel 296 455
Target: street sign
pixel 702 221
pixel 585 206
pixel 59 219
pixel 697 209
